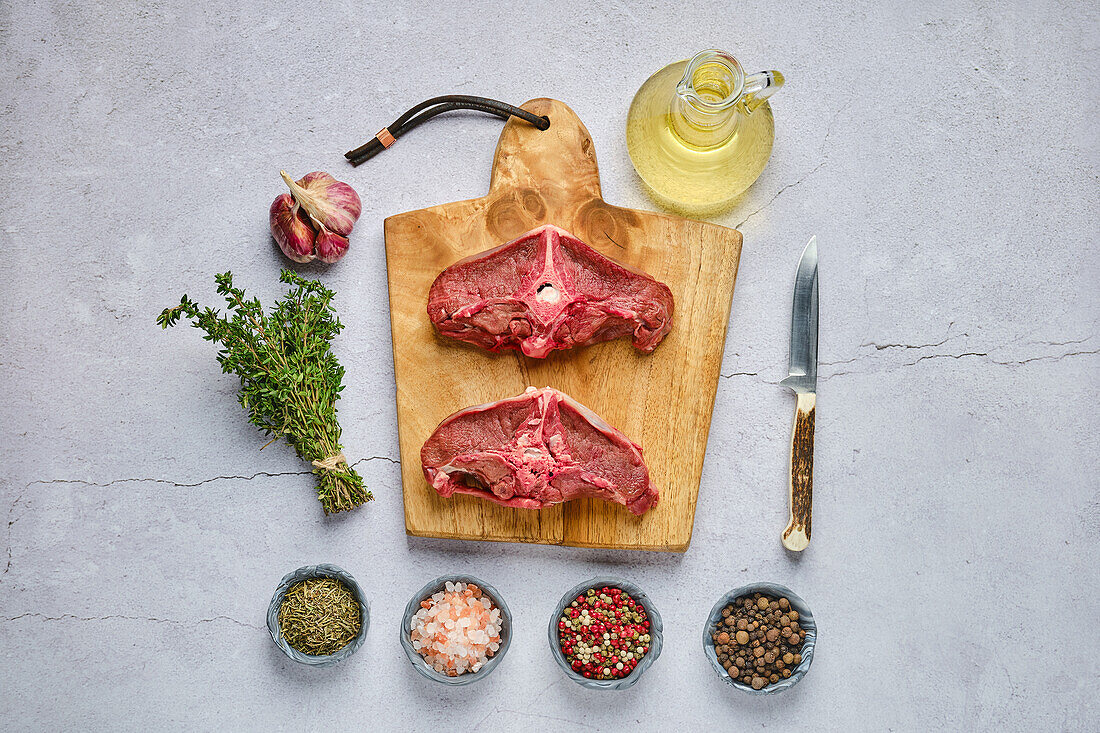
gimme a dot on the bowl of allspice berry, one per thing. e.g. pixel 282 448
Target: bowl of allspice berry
pixel 760 638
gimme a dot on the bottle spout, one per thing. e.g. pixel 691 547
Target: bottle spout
pixel 713 82
pixel 759 87
pixel 713 94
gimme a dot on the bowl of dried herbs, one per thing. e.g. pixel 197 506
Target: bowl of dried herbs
pixel 318 615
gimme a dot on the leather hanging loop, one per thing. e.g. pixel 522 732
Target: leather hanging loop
pixel 435 106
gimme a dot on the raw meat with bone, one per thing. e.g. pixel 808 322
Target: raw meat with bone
pixel 547 290
pixel 535 450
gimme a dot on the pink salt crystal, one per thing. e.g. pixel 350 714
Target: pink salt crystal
pixel 454 632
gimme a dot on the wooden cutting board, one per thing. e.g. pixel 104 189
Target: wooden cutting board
pixel 663 401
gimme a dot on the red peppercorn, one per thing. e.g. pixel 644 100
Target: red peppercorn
pixel 614 616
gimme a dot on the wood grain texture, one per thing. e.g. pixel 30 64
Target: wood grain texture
pixel 662 401
pixel 801 486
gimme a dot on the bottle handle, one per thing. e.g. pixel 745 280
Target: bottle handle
pixel 759 87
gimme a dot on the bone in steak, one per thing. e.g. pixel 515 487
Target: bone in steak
pixel 547 290
pixel 535 450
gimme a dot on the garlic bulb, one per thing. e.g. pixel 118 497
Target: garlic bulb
pixel 314 220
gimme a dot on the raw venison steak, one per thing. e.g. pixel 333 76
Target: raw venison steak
pixel 547 290
pixel 535 450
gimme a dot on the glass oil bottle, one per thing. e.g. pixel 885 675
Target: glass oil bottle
pixel 700 131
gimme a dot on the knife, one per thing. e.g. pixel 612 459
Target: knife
pixel 802 378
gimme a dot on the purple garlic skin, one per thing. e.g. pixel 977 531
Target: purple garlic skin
pixel 313 221
pixel 330 246
pixel 291 230
pixel 330 203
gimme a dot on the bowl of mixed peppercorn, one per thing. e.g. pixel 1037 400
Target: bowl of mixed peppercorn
pixel 605 633
pixel 760 638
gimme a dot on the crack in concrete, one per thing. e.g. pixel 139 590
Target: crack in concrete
pixel 780 191
pixel 843 361
pixel 832 124
pixel 265 474
pixel 152 619
pixel 948 337
pixel 1052 357
pixel 962 355
pixel 966 354
pixel 946 356
pixel 1065 343
pixel 880 347
pixel 394 461
pixel 825 158
pixel 11 511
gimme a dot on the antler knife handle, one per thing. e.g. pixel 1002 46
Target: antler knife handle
pixel 797 535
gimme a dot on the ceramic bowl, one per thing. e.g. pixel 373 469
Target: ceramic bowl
pixel 305 573
pixel 656 633
pixel 418 662
pixel 805 620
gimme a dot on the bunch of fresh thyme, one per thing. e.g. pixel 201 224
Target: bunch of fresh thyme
pixel 290 380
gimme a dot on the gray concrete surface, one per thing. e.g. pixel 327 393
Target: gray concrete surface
pixel 946 155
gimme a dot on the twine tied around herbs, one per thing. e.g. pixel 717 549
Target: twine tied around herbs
pixel 331 463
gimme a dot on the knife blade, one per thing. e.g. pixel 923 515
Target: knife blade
pixel 802 378
pixel 802 369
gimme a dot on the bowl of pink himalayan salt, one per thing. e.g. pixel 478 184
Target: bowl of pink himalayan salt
pixel 456 629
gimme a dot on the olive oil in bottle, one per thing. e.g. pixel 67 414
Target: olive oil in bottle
pixel 700 131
